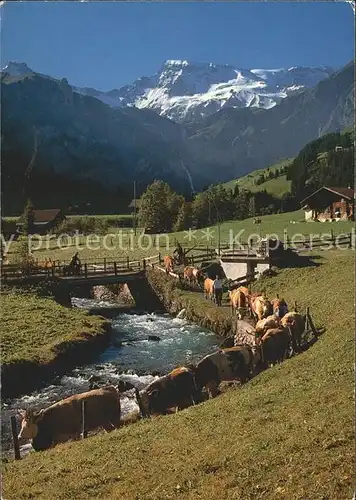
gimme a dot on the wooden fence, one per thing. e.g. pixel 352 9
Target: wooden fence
pixel 91 267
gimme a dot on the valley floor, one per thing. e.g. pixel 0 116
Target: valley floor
pixel 288 433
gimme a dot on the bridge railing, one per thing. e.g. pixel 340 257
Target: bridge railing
pixel 90 267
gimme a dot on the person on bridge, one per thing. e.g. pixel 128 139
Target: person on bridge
pixel 218 291
pixel 178 254
pixel 75 261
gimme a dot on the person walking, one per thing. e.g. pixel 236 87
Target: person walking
pixel 218 290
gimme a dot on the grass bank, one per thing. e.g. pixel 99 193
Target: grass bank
pixel 41 337
pixel 287 434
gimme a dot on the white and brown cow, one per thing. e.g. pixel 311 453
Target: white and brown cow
pixel 192 274
pixel 63 420
pixel 234 363
pixel 177 390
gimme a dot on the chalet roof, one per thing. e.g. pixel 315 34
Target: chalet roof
pixel 138 203
pixel 44 216
pixel 343 192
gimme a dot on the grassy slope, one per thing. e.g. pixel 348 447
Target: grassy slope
pixel 286 434
pixel 276 187
pixel 33 326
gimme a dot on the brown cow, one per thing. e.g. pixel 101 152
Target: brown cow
pixel 296 323
pixel 209 288
pixel 63 420
pixel 279 306
pixel 177 389
pixel 260 306
pixel 227 364
pixel 266 323
pixel 168 263
pixel 275 345
pixel 239 299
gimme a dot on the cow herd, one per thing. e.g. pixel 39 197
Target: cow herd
pixel 277 335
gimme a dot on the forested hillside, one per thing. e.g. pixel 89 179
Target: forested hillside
pixel 321 163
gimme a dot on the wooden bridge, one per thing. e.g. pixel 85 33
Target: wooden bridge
pixel 91 272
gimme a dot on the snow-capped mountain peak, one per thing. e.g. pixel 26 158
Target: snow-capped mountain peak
pixel 184 90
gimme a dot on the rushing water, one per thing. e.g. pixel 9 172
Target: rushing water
pixel 131 357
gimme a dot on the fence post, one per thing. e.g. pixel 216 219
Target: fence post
pixel 84 432
pixel 332 238
pixel 128 262
pixel 15 438
pixel 144 264
pixel 285 238
pixel 159 258
pixel 86 270
pixel 115 268
pixel 104 264
pixel 311 324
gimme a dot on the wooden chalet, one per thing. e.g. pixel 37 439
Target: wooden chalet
pixel 330 204
pixel 45 220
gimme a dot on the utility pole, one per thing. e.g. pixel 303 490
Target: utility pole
pixel 134 194
pixel 219 236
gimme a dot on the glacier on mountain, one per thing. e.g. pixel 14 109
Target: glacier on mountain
pixel 186 91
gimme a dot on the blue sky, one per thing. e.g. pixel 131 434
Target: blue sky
pixel 107 45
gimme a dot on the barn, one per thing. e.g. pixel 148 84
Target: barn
pixel 45 220
pixel 330 204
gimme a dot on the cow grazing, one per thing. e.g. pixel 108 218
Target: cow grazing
pixel 260 306
pixel 227 364
pixel 239 300
pixel 280 307
pixel 168 264
pixel 275 345
pixel 296 323
pixel 209 288
pixel 63 420
pixel 175 390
